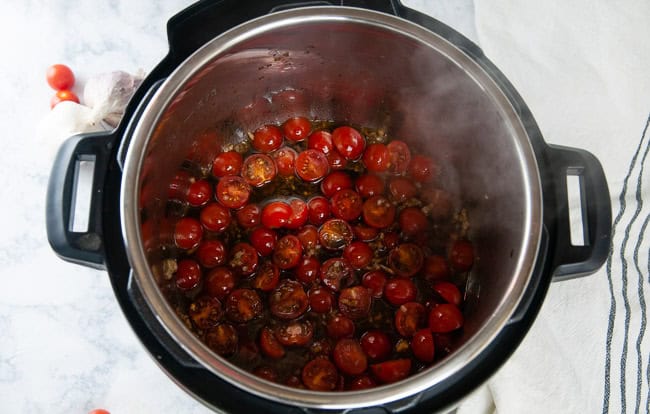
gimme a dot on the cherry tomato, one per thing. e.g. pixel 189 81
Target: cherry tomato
pixel 215 217
pixel 374 281
pixel 399 291
pixel 461 255
pixel 266 372
pixel 219 282
pixel 270 345
pixel 320 300
pixel 422 168
pixel 335 182
pixel 376 158
pixel 308 270
pixel 339 326
pixel 423 346
pixel 263 240
pixel 320 141
pixel 369 185
pixel 336 160
pixel 409 317
pixel 335 271
pixel 205 312
pixel 439 203
pixel 378 212
pixel 266 277
pixel 285 161
pixel 267 138
pixel 188 274
pixel 288 252
pixel 349 357
pixel 400 157
pixel 188 233
pixel 406 259
pixel 276 214
pixel 288 300
pixel 401 189
pixel 296 129
pixel 390 240
pixel 233 192
pixel 365 233
pixel 346 204
pixel 445 317
pixel 59 77
pixel 376 345
pixel 222 339
pixel 435 268
pixel 319 210
pixel 299 214
pixel 358 254
pixel 335 234
pixel 355 302
pixel 308 236
pixel 448 291
pixel 321 347
pixel 63 95
pixel 227 163
pixel 348 142
pixel 412 221
pixel 178 186
pixel 362 382
pixel 391 371
pixel 295 333
pixel 311 165
pixel 320 374
pixel 211 253
pixel 199 193
pixel 249 216
pixel 258 169
pixel 243 305
pixel 243 259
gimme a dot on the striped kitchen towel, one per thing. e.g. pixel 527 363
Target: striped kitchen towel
pixel 583 67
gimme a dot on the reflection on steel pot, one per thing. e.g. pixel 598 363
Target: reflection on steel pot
pixel 395 70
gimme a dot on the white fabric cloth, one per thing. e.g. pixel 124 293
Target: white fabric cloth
pixel 583 67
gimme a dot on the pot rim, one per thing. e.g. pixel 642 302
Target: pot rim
pixel 131 224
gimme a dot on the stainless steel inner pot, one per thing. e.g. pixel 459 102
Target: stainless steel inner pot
pixel 363 68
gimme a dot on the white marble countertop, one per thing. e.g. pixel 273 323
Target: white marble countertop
pixel 65 346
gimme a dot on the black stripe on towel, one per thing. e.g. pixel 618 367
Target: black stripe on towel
pixel 642 304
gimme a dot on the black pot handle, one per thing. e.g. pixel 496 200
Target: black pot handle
pixel 191 28
pixel 575 261
pixel 80 246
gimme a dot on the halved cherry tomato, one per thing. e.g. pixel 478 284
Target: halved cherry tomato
pixel 448 291
pixel 461 255
pixel 378 212
pixel 422 168
pixel 62 96
pixel 308 236
pixel 188 233
pixel 445 317
pixel 311 165
pixel 348 142
pixel 243 259
pixel 285 159
pixel 334 272
pixel 295 333
pixel 369 185
pixel 400 156
pixel 346 204
pixel 320 141
pixel 178 186
pixel 376 158
pixel 258 169
pixel 439 203
pixel 374 281
pixel 243 305
pixel 355 302
pixel 211 253
pixel 336 160
pixel 320 300
pixel 288 300
pixel 266 372
pixel 406 259
pixel 412 221
pixel 358 254
pixel 205 312
pixel 335 234
pixel 267 138
pixel 376 345
pixel 335 182
pixel 349 357
pixel 435 268
pixel 409 317
pixel 288 252
pixel 365 233
pixel 263 240
pixel 249 216
pixel 276 214
pixel 299 214
pixel 296 129
pixel 362 382
pixel 188 274
pixel 219 282
pixel 227 163
pixel 199 193
pixel 423 346
pixel 270 345
pixel 391 371
pixel 233 191
pixel 222 339
pixel 266 277
pixel 339 326
pixel 401 189
pixel 59 77
pixel 215 217
pixel 308 270
pixel 319 210
pixel 399 291
pixel 320 374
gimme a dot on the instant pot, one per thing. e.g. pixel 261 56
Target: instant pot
pixel 236 65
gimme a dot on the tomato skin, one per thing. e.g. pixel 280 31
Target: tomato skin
pixel 439 203
pixel 59 77
pixel 401 189
pixel 219 282
pixel 448 291
pixel 391 371
pixel 215 217
pixel 266 277
pixel 423 345
pixel 320 300
pixel 319 210
pixel 266 372
pixel 376 344
pixel 461 255
pixel 211 253
pixel 409 317
pixel 369 185
pixel 336 160
pixel 362 382
pixel 288 252
pixel 308 236
pixel 299 214
pixel 187 233
pixel 335 182
pixel 267 138
pixel 320 374
pixel 276 214
pixel 63 95
pixel 376 158
pixel 311 165
pixel 399 291
pixel 227 163
pixel 349 357
pixel 375 281
pixel 378 212
pixel 308 270
pixel 400 156
pixel 346 204
pixel 320 141
pixel 435 268
pixel 296 129
pixel 270 345
pixel 288 300
pixel 263 240
pixel 233 191
pixel 445 317
pixel 249 216
pixel 188 274
pixel 339 326
pixel 412 221
pixel 358 254
pixel 334 272
pixel 285 161
pixel 422 169
pixel 199 193
pixel 178 186
pixel 348 142
pixel 365 233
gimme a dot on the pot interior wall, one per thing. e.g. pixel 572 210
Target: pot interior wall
pixel 363 75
